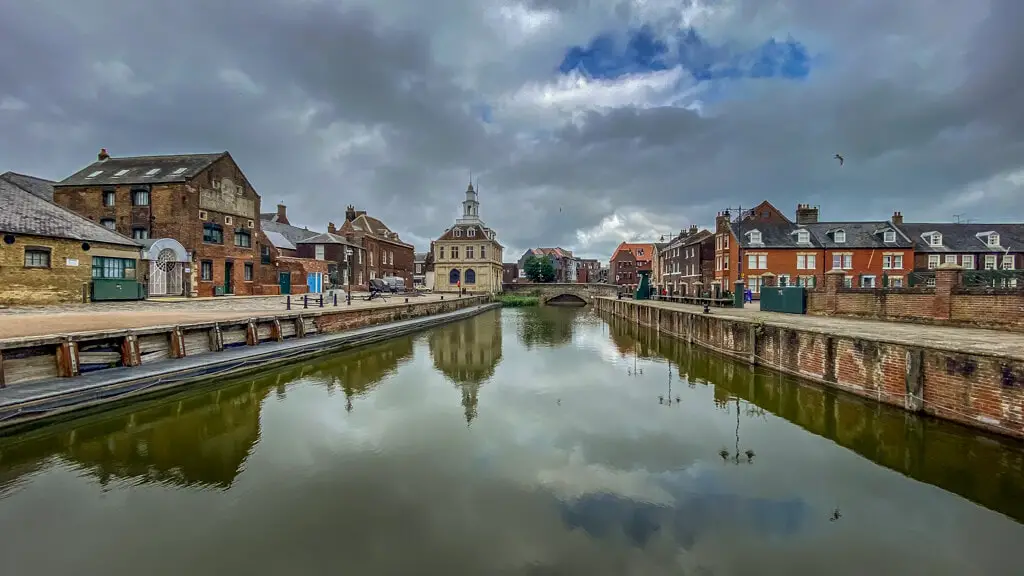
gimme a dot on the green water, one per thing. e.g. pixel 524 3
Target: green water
pixel 533 440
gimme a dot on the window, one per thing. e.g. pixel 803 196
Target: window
pixel 140 197
pixel 639 252
pixel 783 280
pixel 228 220
pixel 248 271
pixel 213 233
pixel 206 270
pixel 949 259
pixel 458 232
pixel 455 252
pixel 754 284
pixel 967 261
pixel 933 261
pixel 889 236
pixel 140 233
pixel 803 237
pixel 360 261
pixel 37 257
pixel 896 281
pixel 483 252
pixel 109 196
pixel 755 237
pixel 178 171
pixel 360 275
pixel 453 277
pixel 892 261
pixel 757 261
pixel 94 174
pixel 1008 262
pixel 867 281
pixel 842 261
pixel 839 237
pixel 806 261
pixel 243 238
pixel 371 258
pixel 113 268
pixel 469 256
pixel 120 173
pixel 993 239
pixel 440 252
pixel 470 276
pixel 318 251
pixel 847 282
pixel 391 257
pixel 471 233
pixel 108 223
pixel 265 254
pixel 935 239
pixel 153 172
pixel 990 262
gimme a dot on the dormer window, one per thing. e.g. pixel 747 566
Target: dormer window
pixel 839 236
pixel 803 236
pixel 993 239
pixel 889 235
pixel 935 239
pixel 755 236
pixel 471 232
pixel 458 232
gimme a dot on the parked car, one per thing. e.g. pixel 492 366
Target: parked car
pixel 395 283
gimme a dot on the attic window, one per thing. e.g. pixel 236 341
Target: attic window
pixel 95 174
pixel 120 173
pixel 152 172
pixel 803 237
pixel 458 232
pixel 993 239
pixel 935 239
pixel 178 171
pixel 755 237
pixel 890 236
pixel 839 236
pixel 471 232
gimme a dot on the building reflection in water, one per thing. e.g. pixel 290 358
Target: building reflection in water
pixel 467 352
pixel 982 468
pixel 358 371
pixel 546 326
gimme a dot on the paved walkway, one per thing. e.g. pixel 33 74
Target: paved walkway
pixel 42 321
pixel 972 340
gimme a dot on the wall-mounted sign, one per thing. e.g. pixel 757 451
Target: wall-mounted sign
pixel 71 261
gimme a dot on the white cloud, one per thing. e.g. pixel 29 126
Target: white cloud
pixel 118 79
pixel 239 81
pixel 12 104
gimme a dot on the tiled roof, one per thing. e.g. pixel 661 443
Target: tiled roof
pixel 291 233
pixel 26 213
pixel 635 248
pixel 964 237
pixel 38 186
pixel 482 233
pixel 177 168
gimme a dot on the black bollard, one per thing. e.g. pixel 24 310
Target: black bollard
pixel 305 301
pixel 442 296
pixel 288 302
pixel 406 300
pixel 348 298
pixel 321 299
pixel 335 299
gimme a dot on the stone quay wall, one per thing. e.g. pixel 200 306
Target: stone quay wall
pixel 983 391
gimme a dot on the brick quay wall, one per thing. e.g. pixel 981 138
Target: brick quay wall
pixel 981 390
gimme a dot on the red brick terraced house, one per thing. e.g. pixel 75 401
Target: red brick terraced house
pixel 387 255
pixel 970 246
pixel 687 262
pixel 627 263
pixel 196 214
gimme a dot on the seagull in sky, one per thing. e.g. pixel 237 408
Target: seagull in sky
pixel 840 158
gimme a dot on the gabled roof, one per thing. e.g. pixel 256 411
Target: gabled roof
pixel 38 186
pixel 291 233
pixel 688 239
pixel 277 240
pixel 965 237
pixel 26 213
pixel 134 170
pixel 328 238
pixel 858 235
pixel 373 226
pixel 419 256
pixel 482 233
pixel 635 248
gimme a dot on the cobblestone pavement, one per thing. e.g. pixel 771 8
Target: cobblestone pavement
pixel 61 319
pixel 972 340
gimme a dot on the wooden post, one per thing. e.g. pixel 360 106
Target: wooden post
pixel 275 331
pixel 752 345
pixel 216 338
pixel 3 380
pixel 252 337
pixel 177 343
pixel 67 359
pixel 300 327
pixel 130 355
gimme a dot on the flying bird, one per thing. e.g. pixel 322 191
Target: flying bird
pixel 840 158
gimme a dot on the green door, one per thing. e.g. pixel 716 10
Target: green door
pixel 284 279
pixel 229 270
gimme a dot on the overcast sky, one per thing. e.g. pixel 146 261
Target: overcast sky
pixel 587 122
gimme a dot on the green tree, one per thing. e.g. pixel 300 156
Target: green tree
pixel 539 269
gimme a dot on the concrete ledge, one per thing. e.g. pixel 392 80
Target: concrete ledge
pixel 38 402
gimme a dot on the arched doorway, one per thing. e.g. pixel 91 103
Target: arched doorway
pixel 167 262
pixel 453 277
pixel 470 276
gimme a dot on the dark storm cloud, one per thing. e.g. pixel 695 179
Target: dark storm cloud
pixel 379 104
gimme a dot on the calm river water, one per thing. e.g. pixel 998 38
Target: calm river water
pixel 526 441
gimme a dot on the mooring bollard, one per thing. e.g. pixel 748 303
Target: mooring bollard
pixel 335 299
pixel 288 302
pixel 406 300
pixel 305 300
pixel 321 299
pixel 348 298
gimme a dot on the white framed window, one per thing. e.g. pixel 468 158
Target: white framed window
pixel 949 259
pixel 1008 262
pixel 867 281
pixel 120 173
pixel 990 262
pixel 483 252
pixel 754 284
pixel 755 237
pixel 803 237
pixel 896 281
pixel 458 232
pixel 469 252
pixel 757 261
pixel 319 250
pixel 848 282
pixel 842 261
pixel 933 261
pixel 889 236
pixel 471 232
pixel 178 171
pixel 152 172
pixel 806 261
pixel 935 239
pixel 94 174
pixel 639 251
pixel 993 239
pixel 967 261
pixel 840 237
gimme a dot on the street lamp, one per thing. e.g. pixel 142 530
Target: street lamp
pixel 739 295
pixel 348 274
pixel 747 457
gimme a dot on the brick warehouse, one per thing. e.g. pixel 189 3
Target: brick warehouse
pixel 386 253
pixel 196 213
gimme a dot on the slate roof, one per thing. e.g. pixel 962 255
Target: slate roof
pixel 38 186
pixel 327 238
pixel 277 240
pixel 858 235
pixel 481 233
pixel 419 257
pixel 26 213
pixel 291 233
pixel 137 167
pixel 963 237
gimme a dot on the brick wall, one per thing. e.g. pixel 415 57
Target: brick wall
pixel 60 282
pixel 983 391
pixel 948 303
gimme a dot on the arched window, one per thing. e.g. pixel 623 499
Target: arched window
pixel 453 277
pixel 470 276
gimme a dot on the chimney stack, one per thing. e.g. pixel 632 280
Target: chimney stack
pixel 103 155
pixel 331 229
pixel 282 214
pixel 722 221
pixel 897 218
pixel 693 228
pixel 350 213
pixel 806 214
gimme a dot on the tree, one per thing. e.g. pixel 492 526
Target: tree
pixel 539 269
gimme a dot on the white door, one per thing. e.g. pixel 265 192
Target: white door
pixel 158 272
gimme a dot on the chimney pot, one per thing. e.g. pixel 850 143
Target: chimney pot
pixel 897 218
pixel 330 228
pixel 102 155
pixel 282 214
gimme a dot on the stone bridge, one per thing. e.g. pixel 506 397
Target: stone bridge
pixel 562 293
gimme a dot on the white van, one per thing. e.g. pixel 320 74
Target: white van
pixel 396 283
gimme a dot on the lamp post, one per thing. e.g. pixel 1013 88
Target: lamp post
pixel 348 274
pixel 738 295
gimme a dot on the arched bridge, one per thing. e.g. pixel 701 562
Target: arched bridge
pixel 562 293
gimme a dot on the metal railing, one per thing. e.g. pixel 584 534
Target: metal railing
pixel 1003 279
